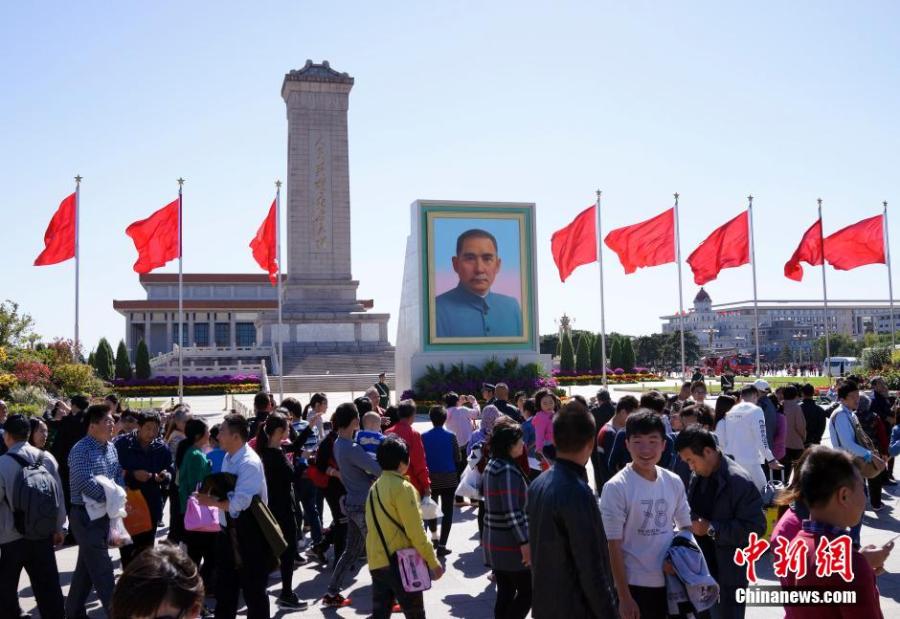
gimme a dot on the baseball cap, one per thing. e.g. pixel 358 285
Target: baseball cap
pixel 761 385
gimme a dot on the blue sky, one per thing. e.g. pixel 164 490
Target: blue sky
pixel 502 101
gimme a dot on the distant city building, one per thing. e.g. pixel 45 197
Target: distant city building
pixel 729 327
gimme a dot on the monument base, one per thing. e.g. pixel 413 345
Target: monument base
pixel 328 342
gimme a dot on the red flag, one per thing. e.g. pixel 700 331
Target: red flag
pixel 263 246
pixel 576 244
pixel 647 244
pixel 856 245
pixel 59 239
pixel 728 246
pixel 156 238
pixel 809 251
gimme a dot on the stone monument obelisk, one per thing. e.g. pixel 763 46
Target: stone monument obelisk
pixel 326 328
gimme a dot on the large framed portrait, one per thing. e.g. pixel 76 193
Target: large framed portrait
pixel 479 274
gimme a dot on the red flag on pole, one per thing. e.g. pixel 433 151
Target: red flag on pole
pixel 728 246
pixel 809 251
pixel 576 244
pixel 156 238
pixel 59 239
pixel 646 244
pixel 264 246
pixel 856 245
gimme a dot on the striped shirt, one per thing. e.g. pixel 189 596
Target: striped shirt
pixel 89 458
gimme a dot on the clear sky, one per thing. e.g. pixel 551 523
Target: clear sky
pixel 505 101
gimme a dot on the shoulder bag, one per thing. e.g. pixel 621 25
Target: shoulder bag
pixel 406 563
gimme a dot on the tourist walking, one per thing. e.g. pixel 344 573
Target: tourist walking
pixel 443 456
pixel 28 542
pixel 833 490
pixel 847 434
pixel 70 430
pixel 240 536
pixel 505 541
pixel 193 467
pixel 418 467
pixel 547 405
pixel 813 414
pixel 271 434
pixel 147 463
pixel 394 521
pixel 92 456
pixel 569 556
pixel 742 436
pixel 795 439
pixel 726 507
pixel 358 471
pixel 638 547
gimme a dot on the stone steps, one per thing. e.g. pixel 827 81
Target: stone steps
pixel 322 364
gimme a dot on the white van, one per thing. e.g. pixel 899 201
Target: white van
pixel 841 366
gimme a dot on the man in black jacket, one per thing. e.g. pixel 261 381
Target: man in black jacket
pixel 814 414
pixel 725 508
pixel 569 556
pixel 502 403
pixel 72 428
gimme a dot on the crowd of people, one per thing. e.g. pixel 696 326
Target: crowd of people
pixel 680 487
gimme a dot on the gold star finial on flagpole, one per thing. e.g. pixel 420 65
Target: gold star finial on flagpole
pixel 180 182
pixel 78 178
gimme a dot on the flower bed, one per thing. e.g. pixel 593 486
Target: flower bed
pixel 163 386
pixel 585 378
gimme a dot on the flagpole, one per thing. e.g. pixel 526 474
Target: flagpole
pixel 887 255
pixel 602 306
pixel 77 214
pixel 825 295
pixel 278 259
pixel 753 264
pixel 180 302
pixel 680 293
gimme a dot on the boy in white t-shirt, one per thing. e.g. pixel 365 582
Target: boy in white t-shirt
pixel 642 505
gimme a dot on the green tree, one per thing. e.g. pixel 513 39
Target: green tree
pixel 123 363
pixel 840 344
pixel 627 354
pixel 566 354
pixel 142 361
pixel 92 357
pixel 583 353
pixel 103 360
pixel 615 352
pixel 784 355
pixel 597 353
pixel 15 327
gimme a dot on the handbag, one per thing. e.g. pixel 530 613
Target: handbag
pixel 200 518
pixel 269 526
pixel 876 465
pixel 470 484
pixel 138 519
pixel 406 563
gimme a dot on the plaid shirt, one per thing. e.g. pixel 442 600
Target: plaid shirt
pixel 821 528
pixel 88 459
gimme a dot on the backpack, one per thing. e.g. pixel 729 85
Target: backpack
pixel 35 499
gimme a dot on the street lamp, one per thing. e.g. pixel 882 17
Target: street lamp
pixel 711 332
pixel 801 336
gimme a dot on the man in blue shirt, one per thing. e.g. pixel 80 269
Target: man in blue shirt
pixel 471 309
pixel 92 456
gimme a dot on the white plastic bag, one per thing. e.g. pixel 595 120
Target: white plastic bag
pixel 429 508
pixel 470 484
pixel 118 535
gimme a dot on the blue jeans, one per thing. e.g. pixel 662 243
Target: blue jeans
pixel 306 492
pixel 93 567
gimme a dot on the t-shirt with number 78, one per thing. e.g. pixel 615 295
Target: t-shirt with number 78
pixel 644 514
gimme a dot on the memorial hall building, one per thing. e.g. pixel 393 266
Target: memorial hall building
pixel 727 327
